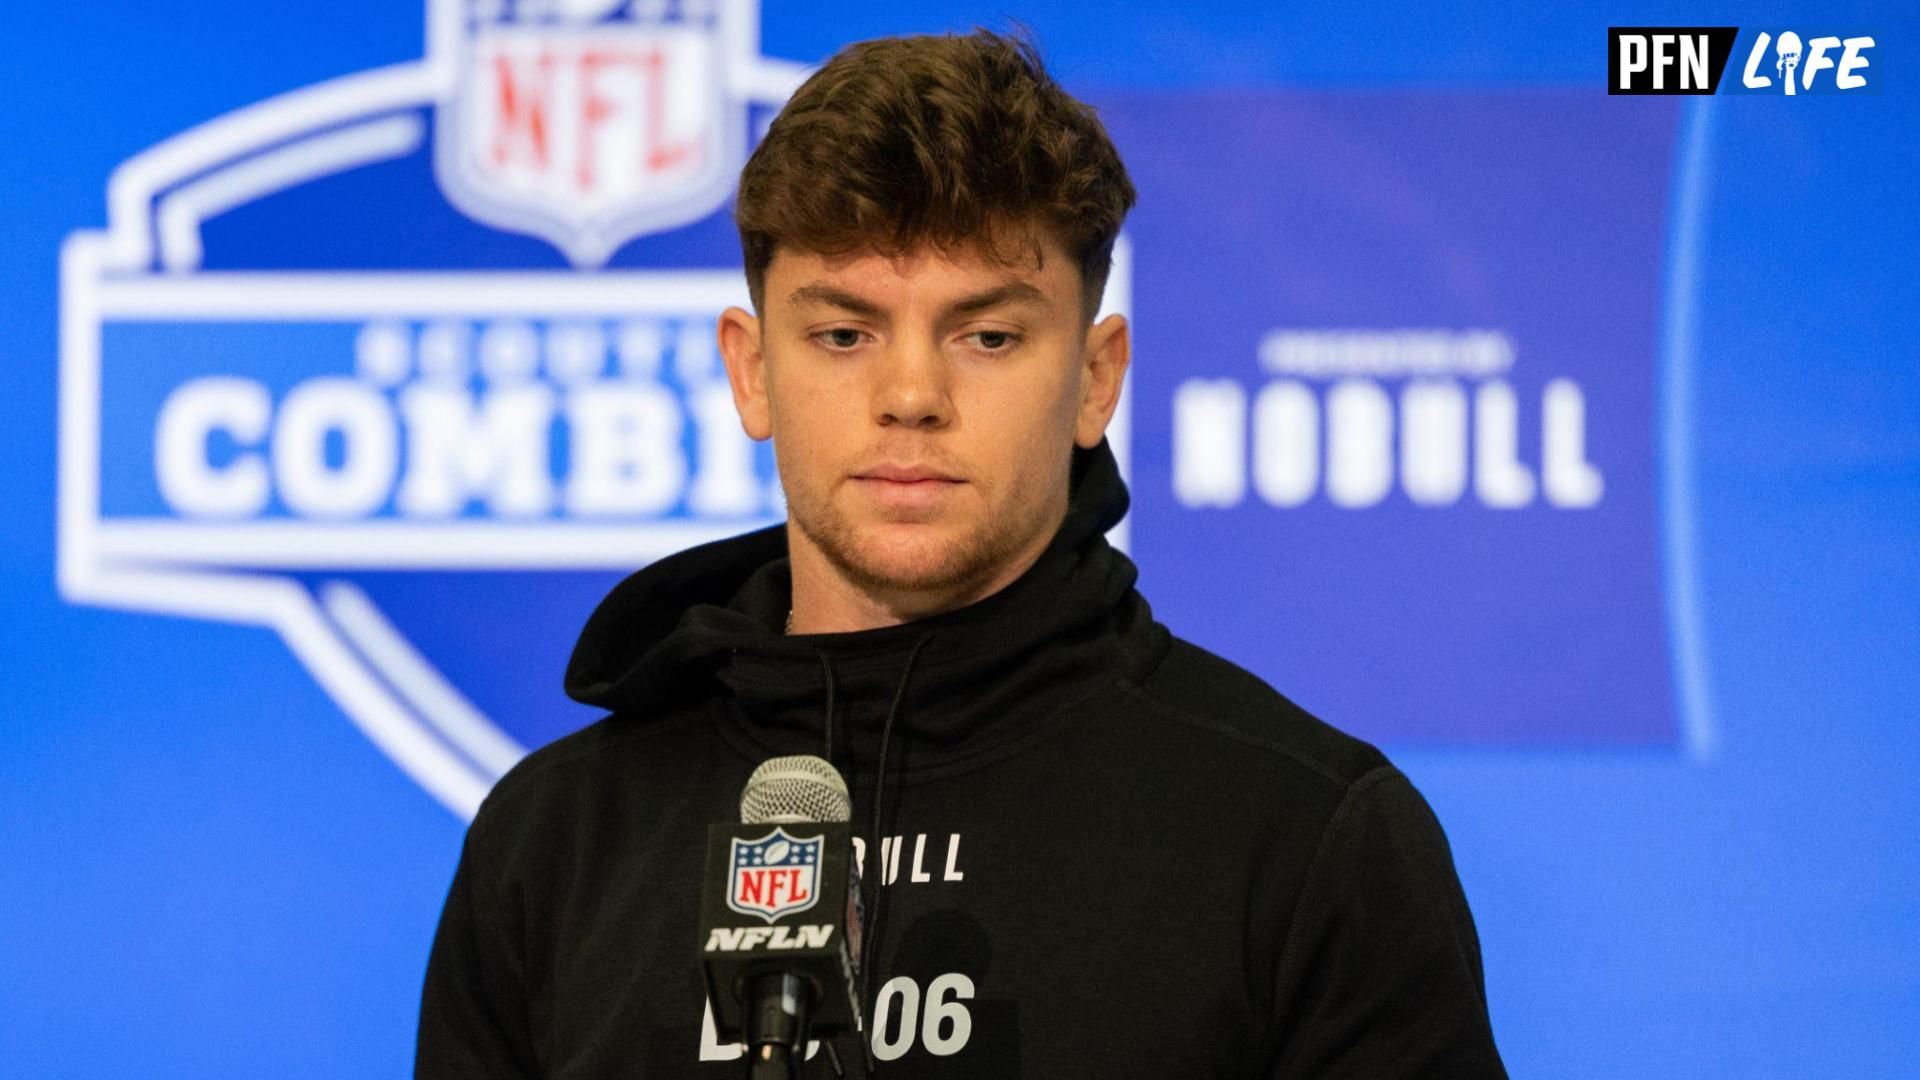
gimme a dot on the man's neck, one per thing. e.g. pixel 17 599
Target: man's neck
pixel 826 602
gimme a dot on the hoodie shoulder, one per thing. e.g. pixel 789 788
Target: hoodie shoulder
pixel 571 767
pixel 1208 693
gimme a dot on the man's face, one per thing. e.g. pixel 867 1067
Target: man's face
pixel 923 408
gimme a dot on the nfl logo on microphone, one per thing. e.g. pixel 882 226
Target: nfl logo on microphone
pixel 774 875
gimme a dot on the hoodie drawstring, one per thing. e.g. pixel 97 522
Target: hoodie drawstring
pixel 879 799
pixel 833 719
pixel 873 898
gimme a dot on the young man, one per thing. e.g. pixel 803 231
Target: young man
pixel 1105 852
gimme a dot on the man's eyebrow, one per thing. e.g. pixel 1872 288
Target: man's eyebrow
pixel 1013 292
pixel 818 293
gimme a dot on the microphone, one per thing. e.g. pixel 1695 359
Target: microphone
pixel 780 915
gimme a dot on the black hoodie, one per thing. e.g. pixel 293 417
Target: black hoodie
pixel 1105 852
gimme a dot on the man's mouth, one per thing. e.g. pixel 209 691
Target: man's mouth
pixel 907 487
pixel 907 474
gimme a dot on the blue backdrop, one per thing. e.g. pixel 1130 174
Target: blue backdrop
pixel 1565 444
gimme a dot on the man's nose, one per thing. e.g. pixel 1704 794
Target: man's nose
pixel 912 387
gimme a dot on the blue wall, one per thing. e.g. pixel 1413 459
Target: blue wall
pixel 208 871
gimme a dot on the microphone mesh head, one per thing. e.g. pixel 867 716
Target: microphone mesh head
pixel 798 788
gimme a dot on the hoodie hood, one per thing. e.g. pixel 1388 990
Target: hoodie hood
pixel 710 622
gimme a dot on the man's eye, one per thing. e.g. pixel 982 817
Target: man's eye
pixel 840 337
pixel 996 340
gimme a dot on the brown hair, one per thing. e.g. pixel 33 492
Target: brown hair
pixel 945 140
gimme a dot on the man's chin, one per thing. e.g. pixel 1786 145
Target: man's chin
pixel 913 559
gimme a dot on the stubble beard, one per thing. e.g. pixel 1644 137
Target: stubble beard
pixel 962 563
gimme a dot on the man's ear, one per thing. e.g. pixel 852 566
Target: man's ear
pixel 1103 368
pixel 746 371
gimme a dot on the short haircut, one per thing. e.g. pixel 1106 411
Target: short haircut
pixel 949 141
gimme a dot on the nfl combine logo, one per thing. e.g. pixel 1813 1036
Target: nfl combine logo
pixel 377 365
pixel 774 875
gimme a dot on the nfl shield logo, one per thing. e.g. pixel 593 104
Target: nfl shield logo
pixel 774 875
pixel 589 122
